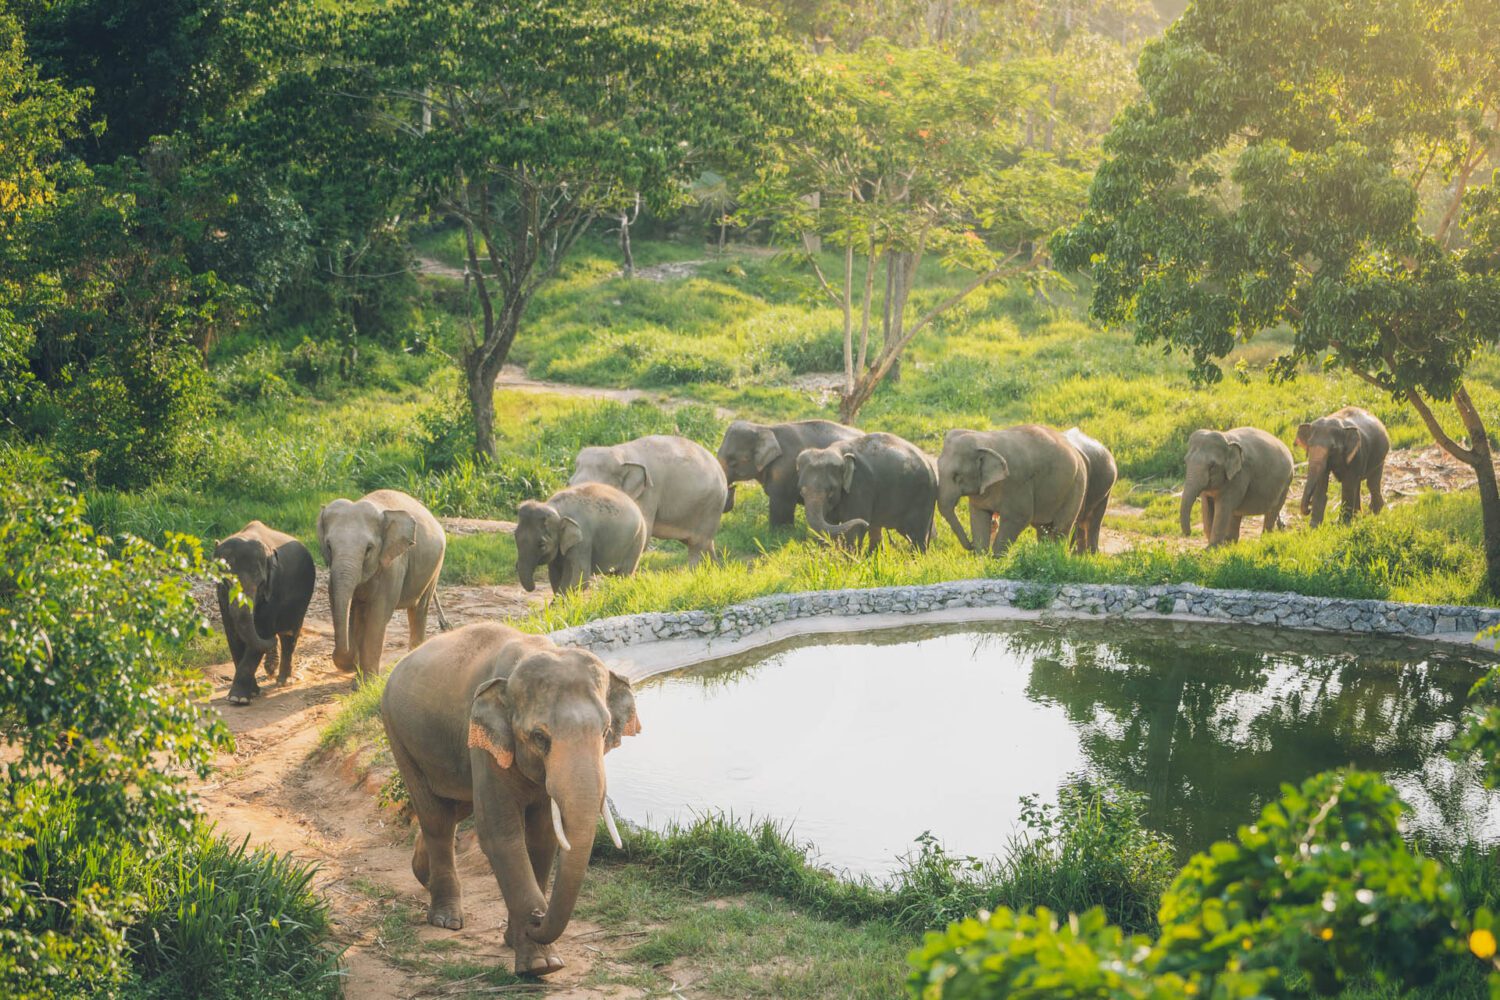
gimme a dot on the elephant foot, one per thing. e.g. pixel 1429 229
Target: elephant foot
pixel 448 915
pixel 242 696
pixel 534 959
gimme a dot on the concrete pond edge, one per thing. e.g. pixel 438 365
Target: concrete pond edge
pixel 644 644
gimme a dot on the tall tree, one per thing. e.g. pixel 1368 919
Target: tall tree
pixel 1321 166
pixel 526 122
pixel 923 158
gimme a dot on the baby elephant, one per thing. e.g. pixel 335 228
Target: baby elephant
pixel 277 577
pixel 1100 477
pixel 768 454
pixel 1239 473
pixel 677 483
pixel 871 483
pixel 580 531
pixel 1350 445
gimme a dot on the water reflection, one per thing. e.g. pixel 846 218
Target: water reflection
pixel 865 742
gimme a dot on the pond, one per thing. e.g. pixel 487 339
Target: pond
pixel 862 743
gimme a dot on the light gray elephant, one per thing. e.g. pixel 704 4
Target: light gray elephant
pixel 513 729
pixel 1240 473
pixel 1351 446
pixel 875 482
pixel 1102 474
pixel 579 531
pixel 1028 475
pixel 677 483
pixel 384 552
pixel 768 454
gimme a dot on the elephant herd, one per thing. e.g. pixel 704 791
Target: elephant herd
pixel 508 727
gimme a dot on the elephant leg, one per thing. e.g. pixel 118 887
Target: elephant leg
pixel 1208 517
pixel 1010 530
pixel 1223 523
pixel 697 549
pixel 236 644
pixel 288 646
pixel 1096 523
pixel 555 576
pixel 502 837
pixel 783 506
pixel 371 639
pixel 981 526
pixel 432 860
pixel 272 660
pixel 244 686
pixel 1234 529
pixel 874 537
pixel 416 620
pixel 1377 499
pixel 1349 489
pixel 1272 520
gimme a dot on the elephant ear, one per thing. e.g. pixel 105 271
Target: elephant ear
pixel 489 723
pixel 848 473
pixel 397 534
pixel 569 534
pixel 623 719
pixel 634 479
pixel 993 468
pixel 1349 437
pixel 1304 433
pixel 1234 460
pixel 767 448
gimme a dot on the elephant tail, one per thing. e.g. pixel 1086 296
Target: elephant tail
pixel 442 618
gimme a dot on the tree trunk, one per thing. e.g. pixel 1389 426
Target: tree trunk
pixel 1478 457
pixel 723 225
pixel 629 258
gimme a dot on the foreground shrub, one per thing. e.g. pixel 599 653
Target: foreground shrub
pixel 1322 885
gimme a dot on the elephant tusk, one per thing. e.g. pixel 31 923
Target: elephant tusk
pixel 609 824
pixel 562 838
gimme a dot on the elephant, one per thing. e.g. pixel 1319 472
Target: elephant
pixel 579 531
pixel 1351 445
pixel 277 577
pixel 862 487
pixel 677 483
pixel 1028 475
pixel 1101 475
pixel 1239 473
pixel 384 551
pixel 768 454
pixel 513 729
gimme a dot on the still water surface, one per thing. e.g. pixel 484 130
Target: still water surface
pixel 863 743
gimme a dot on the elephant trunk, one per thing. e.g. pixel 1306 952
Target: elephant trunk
pixel 948 507
pixel 577 794
pixel 817 516
pixel 1315 491
pixel 526 567
pixel 242 620
pixel 343 577
pixel 1190 491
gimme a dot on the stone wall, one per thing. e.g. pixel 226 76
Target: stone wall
pixel 1292 611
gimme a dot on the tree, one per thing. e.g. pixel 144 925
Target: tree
pixel 526 122
pixel 1315 165
pixel 923 156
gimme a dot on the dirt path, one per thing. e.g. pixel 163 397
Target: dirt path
pixel 282 792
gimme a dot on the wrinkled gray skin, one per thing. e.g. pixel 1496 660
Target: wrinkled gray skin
pixel 384 552
pixel 859 488
pixel 491 721
pixel 277 577
pixel 676 482
pixel 1239 473
pixel 1101 476
pixel 1027 475
pixel 579 531
pixel 768 454
pixel 1350 446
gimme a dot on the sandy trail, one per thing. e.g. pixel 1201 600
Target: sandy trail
pixel 282 792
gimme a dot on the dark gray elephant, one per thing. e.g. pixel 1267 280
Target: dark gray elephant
pixel 579 531
pixel 1239 473
pixel 513 729
pixel 675 481
pixel 1350 445
pixel 277 577
pixel 1101 474
pixel 864 486
pixel 384 553
pixel 1027 475
pixel 768 454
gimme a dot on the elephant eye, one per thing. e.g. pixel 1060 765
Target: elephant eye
pixel 541 741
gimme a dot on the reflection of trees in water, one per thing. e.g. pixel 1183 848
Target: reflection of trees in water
pixel 1208 721
pixel 1208 731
